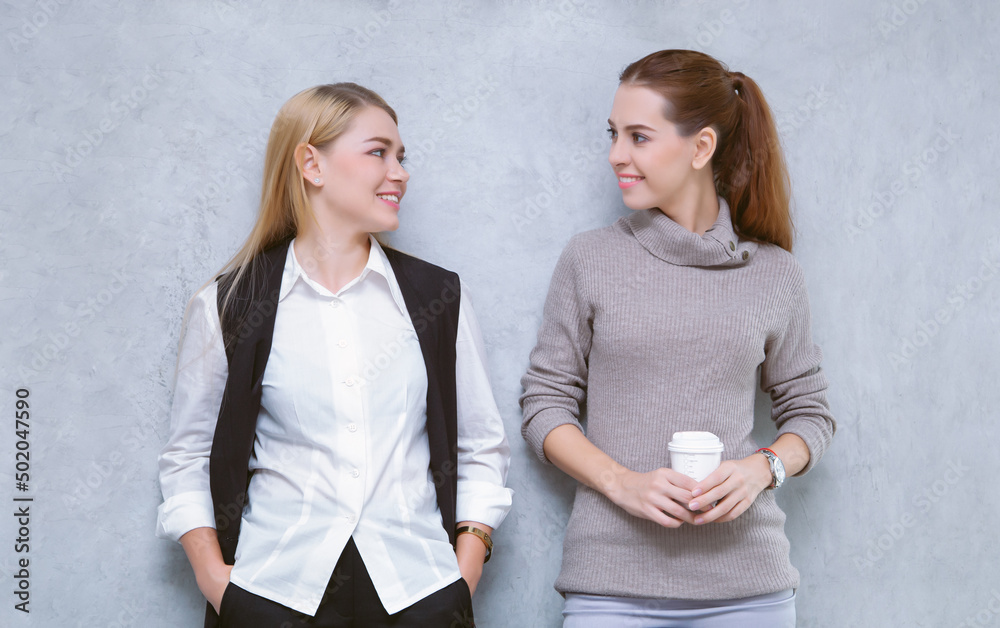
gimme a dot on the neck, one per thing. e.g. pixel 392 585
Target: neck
pixel 332 258
pixel 696 207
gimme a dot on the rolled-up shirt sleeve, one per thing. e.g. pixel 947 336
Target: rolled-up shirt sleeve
pixel 201 376
pixel 791 374
pixel 483 450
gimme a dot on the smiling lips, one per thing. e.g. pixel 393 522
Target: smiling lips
pixel 392 198
pixel 628 180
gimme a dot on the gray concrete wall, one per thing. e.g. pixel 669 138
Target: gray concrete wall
pixel 132 142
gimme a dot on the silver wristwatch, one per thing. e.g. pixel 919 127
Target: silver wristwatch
pixel 777 468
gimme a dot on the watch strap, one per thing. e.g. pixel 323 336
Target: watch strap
pixel 482 534
pixel 772 460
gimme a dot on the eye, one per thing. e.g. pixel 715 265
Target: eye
pixel 613 134
pixel 378 152
pixel 402 159
pixel 639 138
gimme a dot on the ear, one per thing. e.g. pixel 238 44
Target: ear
pixel 310 163
pixel 705 142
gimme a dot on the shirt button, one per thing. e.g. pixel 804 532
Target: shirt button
pixel 350 381
pixel 732 246
pixel 746 254
pixel 334 304
pixel 355 474
pixel 353 427
pixel 351 518
pixel 342 344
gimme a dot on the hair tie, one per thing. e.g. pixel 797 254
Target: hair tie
pixel 737 79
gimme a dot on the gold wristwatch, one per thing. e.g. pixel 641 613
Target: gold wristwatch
pixel 482 535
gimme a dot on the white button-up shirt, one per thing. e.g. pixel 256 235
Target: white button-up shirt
pixel 341 444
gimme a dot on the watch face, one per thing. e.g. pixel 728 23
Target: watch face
pixel 778 468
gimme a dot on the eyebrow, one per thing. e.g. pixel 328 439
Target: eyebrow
pixel 634 127
pixel 386 141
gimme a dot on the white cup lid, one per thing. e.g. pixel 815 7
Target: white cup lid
pixel 695 442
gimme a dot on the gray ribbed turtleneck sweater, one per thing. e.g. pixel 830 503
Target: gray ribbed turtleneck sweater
pixel 656 329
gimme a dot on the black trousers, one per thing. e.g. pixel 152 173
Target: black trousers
pixel 350 601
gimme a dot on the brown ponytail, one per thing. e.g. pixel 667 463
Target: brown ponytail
pixel 748 164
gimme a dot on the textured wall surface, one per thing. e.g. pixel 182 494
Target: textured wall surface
pixel 132 140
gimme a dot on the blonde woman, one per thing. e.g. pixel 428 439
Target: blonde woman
pixel 336 457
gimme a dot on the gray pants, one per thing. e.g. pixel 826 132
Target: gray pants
pixel 772 610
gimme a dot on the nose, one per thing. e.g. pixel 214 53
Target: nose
pixel 617 154
pixel 398 174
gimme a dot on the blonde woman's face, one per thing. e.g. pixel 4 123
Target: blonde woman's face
pixel 363 177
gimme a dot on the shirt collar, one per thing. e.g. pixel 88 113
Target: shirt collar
pixel 377 263
pixel 667 240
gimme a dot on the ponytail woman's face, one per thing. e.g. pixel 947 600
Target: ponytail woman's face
pixel 363 177
pixel 652 161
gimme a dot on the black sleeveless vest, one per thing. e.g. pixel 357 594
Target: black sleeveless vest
pixel 432 298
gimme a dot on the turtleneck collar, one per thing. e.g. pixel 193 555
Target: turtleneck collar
pixel 667 240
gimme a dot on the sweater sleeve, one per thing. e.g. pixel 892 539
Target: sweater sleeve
pixel 555 386
pixel 791 374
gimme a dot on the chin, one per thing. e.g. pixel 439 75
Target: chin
pixel 388 225
pixel 635 204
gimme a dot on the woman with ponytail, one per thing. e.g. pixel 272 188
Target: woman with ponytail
pixel 336 457
pixel 667 321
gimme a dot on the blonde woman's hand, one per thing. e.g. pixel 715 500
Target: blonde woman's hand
pixel 213 583
pixel 472 571
pixel 210 571
pixel 471 553
pixel 658 495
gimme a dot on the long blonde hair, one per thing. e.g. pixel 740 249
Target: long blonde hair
pixel 315 116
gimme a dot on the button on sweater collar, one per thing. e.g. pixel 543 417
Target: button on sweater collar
pixel 667 240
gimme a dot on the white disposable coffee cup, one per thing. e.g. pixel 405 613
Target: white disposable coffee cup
pixel 695 454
